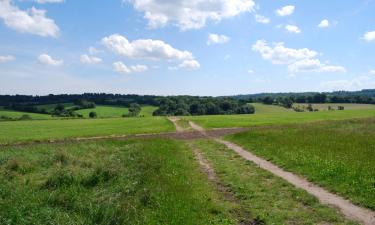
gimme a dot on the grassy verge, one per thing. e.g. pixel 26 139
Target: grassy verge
pixel 16 131
pixel 338 155
pixel 277 118
pixel 269 199
pixel 107 182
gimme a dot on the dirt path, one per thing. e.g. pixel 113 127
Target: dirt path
pixel 351 211
pixel 174 120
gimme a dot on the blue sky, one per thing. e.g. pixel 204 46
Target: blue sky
pixel 173 47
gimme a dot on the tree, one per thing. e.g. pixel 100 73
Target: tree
pixel 93 115
pixel 60 107
pixel 246 109
pixel 268 100
pixel 134 110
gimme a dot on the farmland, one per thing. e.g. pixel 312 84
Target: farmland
pixel 15 114
pixel 338 155
pixel 114 111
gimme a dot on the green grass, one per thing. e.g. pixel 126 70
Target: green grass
pixel 51 107
pixel 270 109
pixel 338 155
pixel 267 198
pixel 221 121
pixel 115 111
pixel 347 106
pixel 107 182
pixel 21 131
pixel 15 114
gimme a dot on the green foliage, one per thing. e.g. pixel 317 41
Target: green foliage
pixel 134 110
pixel 338 155
pixel 93 115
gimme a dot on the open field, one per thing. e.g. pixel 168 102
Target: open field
pixel 334 106
pixel 51 107
pixel 220 121
pixel 21 131
pixel 266 198
pixel 270 109
pixel 108 182
pixel 15 114
pixel 338 155
pixel 114 111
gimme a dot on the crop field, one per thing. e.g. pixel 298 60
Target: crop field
pixel 334 106
pixel 107 182
pixel 21 131
pixel 338 155
pixel 221 121
pixel 270 109
pixel 15 114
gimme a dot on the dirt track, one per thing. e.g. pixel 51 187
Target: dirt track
pixel 351 211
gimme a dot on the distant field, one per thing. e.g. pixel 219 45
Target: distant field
pixel 114 111
pixel 14 131
pixel 269 109
pixel 51 107
pixel 108 182
pixel 335 105
pixel 277 118
pixel 338 155
pixel 15 114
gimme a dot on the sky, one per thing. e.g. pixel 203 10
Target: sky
pixel 186 47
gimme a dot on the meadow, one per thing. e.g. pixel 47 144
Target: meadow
pixel 115 111
pixel 270 109
pixel 347 106
pixel 15 114
pixel 338 155
pixel 23 131
pixel 108 182
pixel 220 121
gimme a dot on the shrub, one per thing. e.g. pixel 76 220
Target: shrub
pixel 25 117
pixel 93 115
pixel 340 107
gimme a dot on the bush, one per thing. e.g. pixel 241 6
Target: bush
pixel 93 115
pixel 340 107
pixel 25 117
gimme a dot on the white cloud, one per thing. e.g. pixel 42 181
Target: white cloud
pixel 188 14
pixel 49 1
pixel 250 71
pixel 120 67
pixel 144 49
pixel 324 24
pixel 33 21
pixel 298 60
pixel 6 58
pixel 93 50
pixel 369 36
pixel 262 19
pixel 86 59
pixel 48 60
pixel 190 64
pixel 217 39
pixel 372 72
pixel 286 10
pixel 352 84
pixel 292 29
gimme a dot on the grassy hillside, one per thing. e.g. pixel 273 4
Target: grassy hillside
pixel 269 109
pixel 114 111
pixel 277 118
pixel 335 105
pixel 339 155
pixel 14 131
pixel 108 182
pixel 14 114
pixel 51 107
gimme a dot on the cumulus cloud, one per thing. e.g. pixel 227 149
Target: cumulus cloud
pixel 324 24
pixel 6 58
pixel 144 49
pixel 262 19
pixel 49 1
pixel 286 10
pixel 86 59
pixel 298 60
pixel 120 67
pixel 48 60
pixel 188 14
pixel 350 84
pixel 33 21
pixel 217 39
pixel 190 64
pixel 292 29
pixel 369 36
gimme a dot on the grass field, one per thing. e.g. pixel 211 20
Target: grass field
pixel 16 115
pixel 20 131
pixel 270 109
pixel 347 106
pixel 107 182
pixel 267 199
pixel 338 155
pixel 115 111
pixel 51 107
pixel 220 121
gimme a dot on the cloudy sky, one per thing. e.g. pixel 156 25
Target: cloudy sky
pixel 195 47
